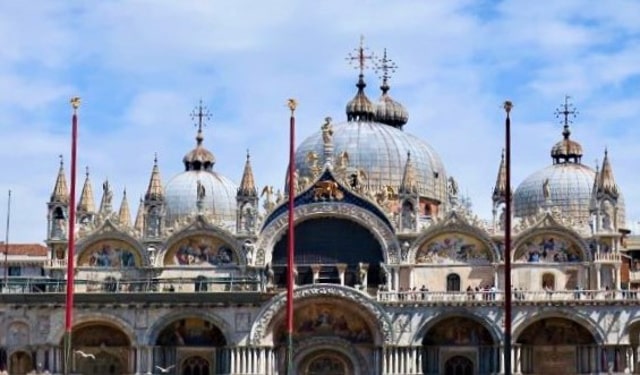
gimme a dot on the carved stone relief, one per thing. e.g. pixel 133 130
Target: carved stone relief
pixel 18 335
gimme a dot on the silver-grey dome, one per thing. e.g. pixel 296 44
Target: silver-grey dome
pixel 182 194
pixel 381 152
pixel 569 187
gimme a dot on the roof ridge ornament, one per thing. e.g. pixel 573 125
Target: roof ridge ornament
pixel 564 113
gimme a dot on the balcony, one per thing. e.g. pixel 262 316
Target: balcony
pixel 518 297
pixel 55 264
pixel 607 257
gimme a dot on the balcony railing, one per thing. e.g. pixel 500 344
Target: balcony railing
pixel 420 297
pixel 607 257
pixel 175 285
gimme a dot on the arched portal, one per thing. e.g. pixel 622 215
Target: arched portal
pixel 459 346
pixel 108 344
pixel 558 345
pixel 326 362
pixel 194 346
pixel 328 242
pixel 20 363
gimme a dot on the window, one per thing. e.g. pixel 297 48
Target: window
pixel 15 271
pixel 453 282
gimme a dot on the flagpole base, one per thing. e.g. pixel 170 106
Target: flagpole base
pixel 67 353
pixel 289 354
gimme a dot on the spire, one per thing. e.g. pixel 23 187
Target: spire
pixel 199 158
pixel 124 215
pixel 60 191
pixel 408 184
pixel 388 111
pixel 247 184
pixel 86 203
pixel 567 150
pixel 500 190
pixel 360 107
pixel 594 189
pixel 154 190
pixel 606 182
pixel 139 223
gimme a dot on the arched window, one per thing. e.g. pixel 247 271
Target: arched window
pixel 453 282
pixel 548 281
pixel 201 284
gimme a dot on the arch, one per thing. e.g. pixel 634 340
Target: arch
pixel 555 331
pixel 473 244
pixel 548 281
pixel 108 232
pixel 494 330
pixel 154 332
pixel 458 331
pixel 316 347
pixel 98 334
pixel 18 332
pixel 524 322
pixel 192 331
pixel 277 228
pixel 111 253
pixel 550 244
pixel 632 331
pixel 195 364
pixel 458 365
pixel 202 247
pixel 266 318
pixel 105 363
pixel 98 318
pixel 20 363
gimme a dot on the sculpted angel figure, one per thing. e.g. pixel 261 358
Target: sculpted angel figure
pixel 327 131
pixel 201 191
pixel 546 191
pixel 267 193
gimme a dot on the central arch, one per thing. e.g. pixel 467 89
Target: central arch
pixel 459 345
pixel 326 362
pixel 193 344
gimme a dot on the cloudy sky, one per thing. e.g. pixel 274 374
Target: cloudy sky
pixel 141 67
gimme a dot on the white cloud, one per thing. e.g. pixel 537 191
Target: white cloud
pixel 142 66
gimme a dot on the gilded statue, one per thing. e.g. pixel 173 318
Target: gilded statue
pixel 312 162
pixel 385 194
pixel 342 161
pixel 327 190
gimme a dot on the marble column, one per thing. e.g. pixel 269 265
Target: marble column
pixel 342 267
pixel 315 269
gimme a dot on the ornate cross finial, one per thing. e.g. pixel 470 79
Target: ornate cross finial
pixel 384 67
pixel 359 58
pixel 201 114
pixel 566 111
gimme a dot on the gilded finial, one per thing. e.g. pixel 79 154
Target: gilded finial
pixel 384 67
pixel 155 158
pixel 248 155
pixel 200 114
pixel 87 171
pixel 359 57
pixel 508 105
pixel 61 159
pixel 75 102
pixel 292 104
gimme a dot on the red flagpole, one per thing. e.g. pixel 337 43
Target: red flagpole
pixel 75 103
pixel 291 244
pixel 507 242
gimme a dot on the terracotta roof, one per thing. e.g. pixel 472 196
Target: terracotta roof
pixel 28 249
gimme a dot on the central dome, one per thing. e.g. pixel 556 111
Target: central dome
pixel 381 152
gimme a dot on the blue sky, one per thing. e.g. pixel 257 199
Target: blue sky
pixel 141 67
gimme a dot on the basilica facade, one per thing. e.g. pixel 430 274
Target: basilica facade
pixel 394 272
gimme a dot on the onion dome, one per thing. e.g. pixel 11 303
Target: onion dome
pixel 199 158
pixel 567 149
pixel 360 107
pixel 389 111
pixel 199 185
